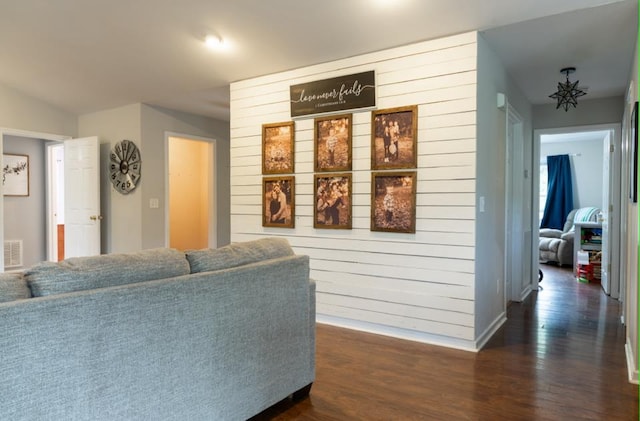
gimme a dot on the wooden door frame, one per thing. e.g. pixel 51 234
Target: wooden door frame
pixel 213 219
pixel 614 169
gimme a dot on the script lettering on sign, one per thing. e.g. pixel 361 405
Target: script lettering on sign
pixel 335 94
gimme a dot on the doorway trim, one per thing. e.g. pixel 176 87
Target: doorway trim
pixel 213 200
pixel 31 135
pixel 614 173
pixel 516 288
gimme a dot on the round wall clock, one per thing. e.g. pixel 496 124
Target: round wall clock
pixel 124 169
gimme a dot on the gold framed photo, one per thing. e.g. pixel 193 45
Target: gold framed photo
pixel 394 133
pixel 332 209
pixel 278 140
pixel 393 201
pixel 278 201
pixel 332 143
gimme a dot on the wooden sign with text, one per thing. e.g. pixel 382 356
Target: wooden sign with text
pixel 335 94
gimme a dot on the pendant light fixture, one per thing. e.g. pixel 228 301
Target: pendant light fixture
pixel 568 92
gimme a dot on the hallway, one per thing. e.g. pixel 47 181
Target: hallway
pixel 559 356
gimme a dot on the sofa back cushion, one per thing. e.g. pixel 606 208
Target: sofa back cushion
pixel 13 287
pixel 83 273
pixel 237 254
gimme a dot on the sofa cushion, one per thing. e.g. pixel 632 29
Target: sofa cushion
pixel 550 233
pixel 238 254
pixel 82 273
pixel 13 287
pixel 550 244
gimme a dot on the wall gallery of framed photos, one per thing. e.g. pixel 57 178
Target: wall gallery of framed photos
pixel 393 186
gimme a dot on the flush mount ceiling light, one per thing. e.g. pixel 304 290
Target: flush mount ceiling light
pixel 215 43
pixel 568 93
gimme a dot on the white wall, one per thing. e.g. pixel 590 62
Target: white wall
pixel 25 217
pixel 156 121
pixel 490 251
pixel 121 228
pixel 586 166
pixel 418 286
pixel 129 222
pixel 631 238
pixel 22 112
pixel 589 112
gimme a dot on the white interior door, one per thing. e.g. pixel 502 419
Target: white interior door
pixel 606 202
pixel 82 197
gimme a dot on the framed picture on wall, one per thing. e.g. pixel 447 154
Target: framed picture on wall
pixel 633 143
pixel 333 201
pixel 15 175
pixel 394 142
pixel 332 143
pixel 278 202
pixel 393 201
pixel 278 140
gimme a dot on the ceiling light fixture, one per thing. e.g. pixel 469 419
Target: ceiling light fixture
pixel 568 93
pixel 214 42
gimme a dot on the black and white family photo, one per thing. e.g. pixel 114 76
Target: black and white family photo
pixel 333 201
pixel 332 143
pixel 393 138
pixel 278 148
pixel 278 202
pixel 393 202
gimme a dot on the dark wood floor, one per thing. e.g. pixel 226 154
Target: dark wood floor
pixel 560 356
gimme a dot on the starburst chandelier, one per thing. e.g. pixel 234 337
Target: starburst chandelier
pixel 568 92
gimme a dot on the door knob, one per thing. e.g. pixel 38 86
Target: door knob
pixel 96 217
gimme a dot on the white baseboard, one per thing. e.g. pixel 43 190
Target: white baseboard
pixel 490 331
pixel 632 369
pixel 398 333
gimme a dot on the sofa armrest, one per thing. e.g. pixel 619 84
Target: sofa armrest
pixel 550 233
pixel 568 236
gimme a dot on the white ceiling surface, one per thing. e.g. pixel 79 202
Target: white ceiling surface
pixel 86 56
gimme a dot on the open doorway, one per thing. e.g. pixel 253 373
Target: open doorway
pixel 594 155
pixel 80 154
pixel 191 192
pixel 55 201
pixel 26 230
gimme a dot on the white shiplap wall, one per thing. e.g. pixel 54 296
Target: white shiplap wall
pixel 418 286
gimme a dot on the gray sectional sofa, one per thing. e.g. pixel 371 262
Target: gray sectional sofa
pixel 158 335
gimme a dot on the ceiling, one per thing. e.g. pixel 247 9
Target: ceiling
pixel 86 56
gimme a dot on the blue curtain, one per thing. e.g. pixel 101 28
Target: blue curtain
pixel 559 192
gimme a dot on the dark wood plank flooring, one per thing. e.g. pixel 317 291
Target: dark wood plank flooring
pixel 560 356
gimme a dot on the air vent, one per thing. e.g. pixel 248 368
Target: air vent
pixel 12 254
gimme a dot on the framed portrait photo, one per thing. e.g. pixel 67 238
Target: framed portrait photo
pixel 332 208
pixel 15 175
pixel 393 201
pixel 394 138
pixel 278 140
pixel 332 143
pixel 278 202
